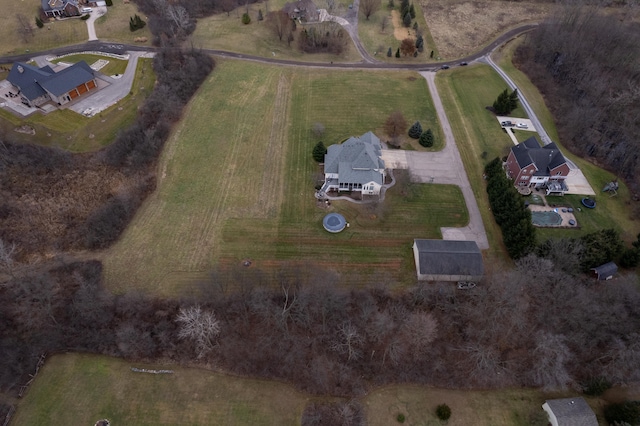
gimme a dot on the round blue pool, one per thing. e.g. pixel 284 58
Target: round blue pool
pixel 334 222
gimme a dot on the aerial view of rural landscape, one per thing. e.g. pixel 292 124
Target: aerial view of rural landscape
pixel 320 212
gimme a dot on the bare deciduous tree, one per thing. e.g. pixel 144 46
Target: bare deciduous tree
pixel 395 124
pixel 348 341
pixel 281 24
pixel 25 29
pixel 6 257
pixel 408 46
pixel 384 23
pixel 369 7
pixel 550 356
pixel 318 129
pixel 202 327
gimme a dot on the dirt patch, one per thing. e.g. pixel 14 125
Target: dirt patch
pixel 461 27
pixel 400 32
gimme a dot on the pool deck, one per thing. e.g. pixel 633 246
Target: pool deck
pixel 566 216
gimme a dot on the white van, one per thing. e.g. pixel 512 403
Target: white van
pixel 86 10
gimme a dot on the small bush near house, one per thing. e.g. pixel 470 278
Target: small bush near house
pixel 39 22
pixel 319 152
pixel 443 412
pixel 109 2
pixel 596 386
pixel 85 17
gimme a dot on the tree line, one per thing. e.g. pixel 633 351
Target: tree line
pixel 585 64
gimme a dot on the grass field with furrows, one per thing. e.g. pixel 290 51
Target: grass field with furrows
pixel 237 180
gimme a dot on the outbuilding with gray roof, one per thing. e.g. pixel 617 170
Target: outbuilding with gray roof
pixel 570 412
pixel 447 260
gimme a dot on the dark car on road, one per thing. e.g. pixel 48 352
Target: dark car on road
pixel 462 64
pixel 444 67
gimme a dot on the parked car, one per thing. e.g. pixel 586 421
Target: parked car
pixel 465 285
pixel 506 124
pixel 444 67
pixel 522 126
pixel 462 64
pixel 87 10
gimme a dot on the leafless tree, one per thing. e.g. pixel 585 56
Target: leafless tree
pixel 408 46
pixel 395 124
pixel 202 327
pixel 6 257
pixel 318 129
pixel 348 341
pixel 281 24
pixel 384 23
pixel 25 29
pixel 369 7
pixel 550 358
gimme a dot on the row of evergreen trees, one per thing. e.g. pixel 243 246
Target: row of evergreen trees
pixel 510 212
pixel 136 23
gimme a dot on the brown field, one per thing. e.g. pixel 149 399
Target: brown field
pixel 461 27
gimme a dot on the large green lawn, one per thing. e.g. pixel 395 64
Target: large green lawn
pixel 79 389
pixel 114 66
pixel 72 131
pixel 237 181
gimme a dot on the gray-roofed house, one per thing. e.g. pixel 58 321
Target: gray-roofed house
pixel 65 8
pixel 570 412
pixel 532 165
pixel 606 271
pixel 355 165
pixel 447 260
pixel 37 86
pixel 304 10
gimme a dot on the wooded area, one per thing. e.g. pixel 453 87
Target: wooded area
pixel 586 65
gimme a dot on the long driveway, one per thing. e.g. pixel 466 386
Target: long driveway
pixel 443 167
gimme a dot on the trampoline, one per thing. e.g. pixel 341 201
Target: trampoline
pixel 589 203
pixel 549 218
pixel 334 222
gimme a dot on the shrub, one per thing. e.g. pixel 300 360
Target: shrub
pixel 136 23
pixel 415 130
pixel 400 418
pixel 85 17
pixel 623 413
pixel 246 19
pixel 260 16
pixel 398 53
pixel 443 412
pixel 426 139
pixel 39 22
pixel 109 2
pixel 596 386
pixel 389 53
pixel 319 152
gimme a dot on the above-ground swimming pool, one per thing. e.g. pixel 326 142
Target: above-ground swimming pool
pixel 548 218
pixel 334 222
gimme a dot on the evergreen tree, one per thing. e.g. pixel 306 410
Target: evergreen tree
pixel 389 53
pixel 246 19
pixel 260 16
pixel 406 21
pixel 443 412
pixel 501 104
pixel 420 43
pixel 431 56
pixel 398 53
pixel 415 26
pixel 319 151
pixel 412 11
pixel 391 4
pixel 426 139
pixel 404 7
pixel 513 100
pixel 415 130
pixel 39 22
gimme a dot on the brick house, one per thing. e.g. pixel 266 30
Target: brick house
pixel 535 166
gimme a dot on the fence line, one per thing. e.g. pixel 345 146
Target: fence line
pixel 24 387
pixel 7 419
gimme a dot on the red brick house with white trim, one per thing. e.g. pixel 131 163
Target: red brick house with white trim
pixel 532 165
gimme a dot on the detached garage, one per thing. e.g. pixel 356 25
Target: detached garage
pixel 447 260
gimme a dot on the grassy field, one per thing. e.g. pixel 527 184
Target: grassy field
pixel 114 25
pixel 72 131
pixel 231 192
pixel 78 389
pixel 377 42
pixel 226 32
pixel 115 66
pixel 611 212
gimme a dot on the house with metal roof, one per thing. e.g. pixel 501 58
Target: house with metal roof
pixel 355 165
pixel 447 260
pixel 532 165
pixel 61 8
pixel 37 86
pixel 606 271
pixel 570 412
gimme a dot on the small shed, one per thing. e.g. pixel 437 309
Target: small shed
pixel 570 412
pixel 606 271
pixel 447 260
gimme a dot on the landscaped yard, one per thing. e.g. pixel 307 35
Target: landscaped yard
pixel 227 32
pixel 114 25
pixel 114 66
pixel 240 183
pixel 79 389
pixel 72 131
